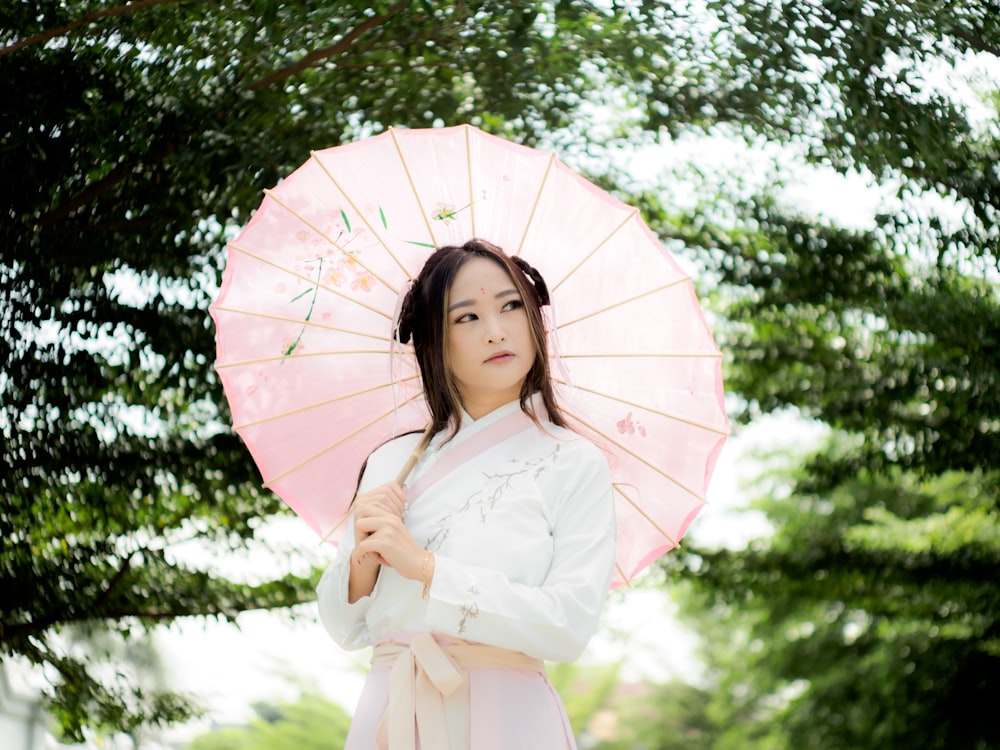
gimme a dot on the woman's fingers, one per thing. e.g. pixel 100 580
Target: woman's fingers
pixel 373 522
pixel 387 537
pixel 386 499
pixel 389 497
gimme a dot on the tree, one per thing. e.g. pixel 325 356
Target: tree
pixel 870 617
pixel 136 137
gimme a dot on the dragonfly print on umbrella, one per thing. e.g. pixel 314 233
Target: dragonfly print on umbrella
pixel 447 213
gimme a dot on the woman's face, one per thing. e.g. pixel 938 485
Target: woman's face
pixel 490 349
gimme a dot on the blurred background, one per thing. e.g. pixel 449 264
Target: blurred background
pixel 826 170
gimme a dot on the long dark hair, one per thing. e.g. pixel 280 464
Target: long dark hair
pixel 423 319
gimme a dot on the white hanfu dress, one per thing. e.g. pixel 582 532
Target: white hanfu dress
pixel 521 521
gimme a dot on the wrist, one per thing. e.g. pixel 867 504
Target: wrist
pixel 363 561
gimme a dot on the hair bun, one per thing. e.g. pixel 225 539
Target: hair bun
pixel 541 288
pixel 404 324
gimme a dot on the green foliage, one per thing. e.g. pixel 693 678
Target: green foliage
pixel 844 329
pixel 870 618
pixel 311 723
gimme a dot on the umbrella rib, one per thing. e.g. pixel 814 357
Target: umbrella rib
pixel 322 233
pixel 666 415
pixel 635 455
pixel 330 447
pixel 628 581
pixel 299 321
pixel 296 274
pixel 534 204
pixel 336 526
pixel 598 246
pixel 644 514
pixel 288 357
pixel 378 236
pixel 413 187
pixel 468 162
pixel 623 302
pixel 318 404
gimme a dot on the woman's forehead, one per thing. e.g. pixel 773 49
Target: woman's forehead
pixel 480 275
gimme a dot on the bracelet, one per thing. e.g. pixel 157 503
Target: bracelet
pixel 424 570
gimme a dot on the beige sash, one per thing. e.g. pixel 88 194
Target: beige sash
pixel 422 674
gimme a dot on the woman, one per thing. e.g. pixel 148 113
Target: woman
pixel 498 552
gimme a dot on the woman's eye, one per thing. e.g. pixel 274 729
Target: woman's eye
pixel 514 304
pixel 465 318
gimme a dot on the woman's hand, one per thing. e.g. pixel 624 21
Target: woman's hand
pixel 389 541
pixel 388 499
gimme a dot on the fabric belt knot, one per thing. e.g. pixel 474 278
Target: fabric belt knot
pixel 422 674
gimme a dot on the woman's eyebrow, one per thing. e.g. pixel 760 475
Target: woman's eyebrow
pixel 470 302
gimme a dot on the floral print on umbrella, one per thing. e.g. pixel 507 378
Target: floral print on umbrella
pixel 332 266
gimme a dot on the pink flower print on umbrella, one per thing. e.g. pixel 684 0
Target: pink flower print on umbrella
pixel 335 276
pixel 364 282
pixel 628 426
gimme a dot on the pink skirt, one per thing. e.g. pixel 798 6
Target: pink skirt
pixel 499 710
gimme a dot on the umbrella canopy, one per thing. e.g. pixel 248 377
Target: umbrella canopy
pixel 312 283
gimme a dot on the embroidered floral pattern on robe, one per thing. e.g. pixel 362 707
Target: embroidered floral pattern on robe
pixel 497 486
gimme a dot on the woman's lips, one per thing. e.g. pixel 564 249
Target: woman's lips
pixel 500 357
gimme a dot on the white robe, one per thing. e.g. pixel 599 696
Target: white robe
pixel 521 522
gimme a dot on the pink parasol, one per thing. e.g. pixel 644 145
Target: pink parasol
pixel 311 285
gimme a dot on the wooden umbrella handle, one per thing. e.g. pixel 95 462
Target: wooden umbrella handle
pixel 415 455
pixel 403 473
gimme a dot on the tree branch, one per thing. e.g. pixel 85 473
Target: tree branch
pixel 110 180
pixel 91 192
pixel 317 56
pixel 118 10
pixel 976 42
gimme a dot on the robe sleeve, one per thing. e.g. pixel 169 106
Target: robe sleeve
pixel 344 622
pixel 555 620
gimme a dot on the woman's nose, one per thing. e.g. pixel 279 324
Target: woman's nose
pixel 495 333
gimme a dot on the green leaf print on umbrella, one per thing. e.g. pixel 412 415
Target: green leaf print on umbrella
pixel 312 306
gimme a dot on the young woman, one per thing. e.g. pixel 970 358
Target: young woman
pixel 498 552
